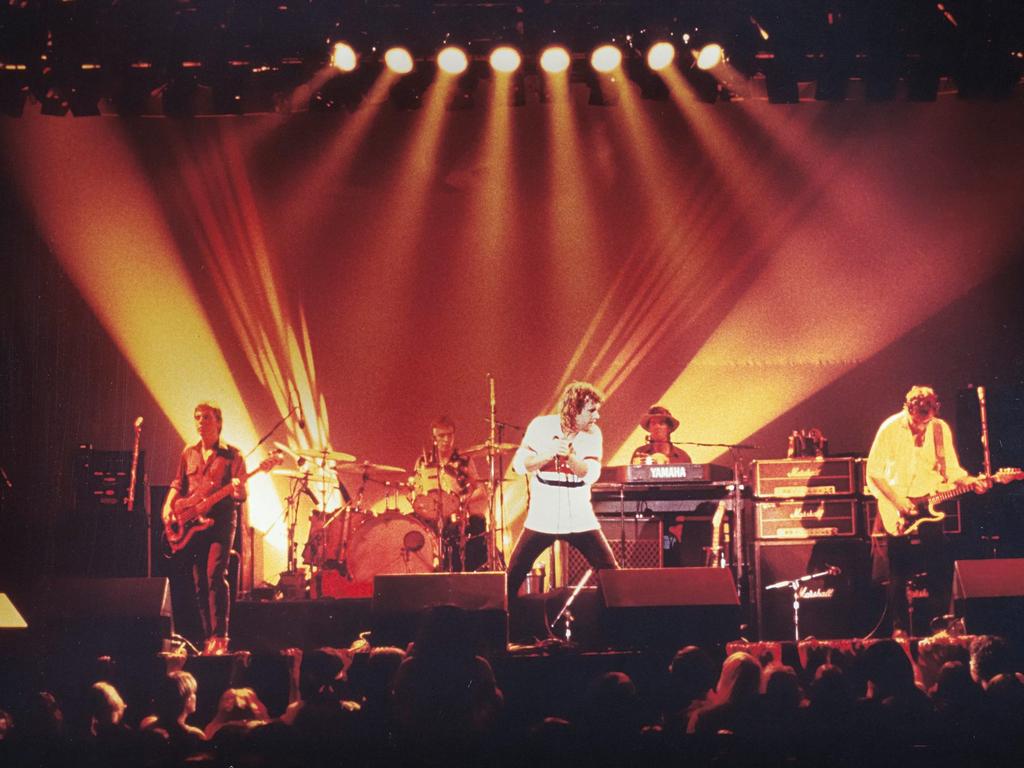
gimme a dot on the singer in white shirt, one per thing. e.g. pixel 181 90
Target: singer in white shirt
pixel 561 455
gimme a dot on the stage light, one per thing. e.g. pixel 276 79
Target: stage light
pixel 343 57
pixel 555 59
pixel 606 58
pixel 505 59
pixel 660 56
pixel 710 56
pixel 452 60
pixel 398 60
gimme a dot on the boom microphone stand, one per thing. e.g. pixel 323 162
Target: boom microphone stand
pixel 795 585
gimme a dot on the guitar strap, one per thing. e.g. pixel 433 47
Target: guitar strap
pixel 940 452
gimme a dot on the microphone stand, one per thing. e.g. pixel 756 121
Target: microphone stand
pixel 736 493
pixel 133 478
pixel 795 585
pixel 273 429
pixel 568 604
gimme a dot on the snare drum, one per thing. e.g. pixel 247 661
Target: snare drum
pixel 391 543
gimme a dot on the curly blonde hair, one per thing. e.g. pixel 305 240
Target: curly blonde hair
pixel 574 399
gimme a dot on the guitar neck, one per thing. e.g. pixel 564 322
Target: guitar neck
pixel 224 491
pixel 952 493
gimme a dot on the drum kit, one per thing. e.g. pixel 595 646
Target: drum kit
pixel 353 537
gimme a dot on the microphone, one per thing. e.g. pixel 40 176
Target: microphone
pixel 138 422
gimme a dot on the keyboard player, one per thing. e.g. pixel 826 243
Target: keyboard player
pixel 659 423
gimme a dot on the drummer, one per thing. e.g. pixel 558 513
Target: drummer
pixel 444 484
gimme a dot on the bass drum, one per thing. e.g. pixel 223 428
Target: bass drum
pixel 391 543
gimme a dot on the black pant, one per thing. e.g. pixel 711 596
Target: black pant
pixel 592 545
pixel 211 550
pixel 920 560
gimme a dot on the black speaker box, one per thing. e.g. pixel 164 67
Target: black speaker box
pixel 669 607
pixel 840 606
pixel 642 545
pixel 401 600
pixel 102 616
pixel 989 595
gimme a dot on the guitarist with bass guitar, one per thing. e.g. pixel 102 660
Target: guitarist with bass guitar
pixel 913 456
pixel 205 539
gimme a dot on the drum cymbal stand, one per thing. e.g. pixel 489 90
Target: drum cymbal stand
pixel 346 522
pixel 495 484
pixel 291 513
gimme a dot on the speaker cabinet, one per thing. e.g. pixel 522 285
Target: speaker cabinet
pixel 400 602
pixel 839 606
pixel 989 595
pixel 642 545
pixel 103 616
pixel 669 607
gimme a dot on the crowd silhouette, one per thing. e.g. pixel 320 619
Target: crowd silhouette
pixel 440 703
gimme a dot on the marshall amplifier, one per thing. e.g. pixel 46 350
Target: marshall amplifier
pixel 838 605
pixel 796 478
pixel 806 519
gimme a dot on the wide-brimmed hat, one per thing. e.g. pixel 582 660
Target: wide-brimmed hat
pixel 659 410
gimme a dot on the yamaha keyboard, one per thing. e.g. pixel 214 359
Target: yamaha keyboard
pixel 665 474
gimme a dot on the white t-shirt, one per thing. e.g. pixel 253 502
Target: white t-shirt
pixel 912 470
pixel 559 499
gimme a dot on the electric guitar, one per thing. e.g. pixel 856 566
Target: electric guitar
pixel 188 514
pixel 897 522
pixel 716 552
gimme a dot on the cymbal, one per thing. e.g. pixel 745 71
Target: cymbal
pixel 484 447
pixel 314 475
pixel 324 454
pixel 370 467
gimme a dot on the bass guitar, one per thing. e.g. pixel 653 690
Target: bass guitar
pixel 898 522
pixel 188 514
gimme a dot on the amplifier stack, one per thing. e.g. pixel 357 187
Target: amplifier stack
pixel 809 519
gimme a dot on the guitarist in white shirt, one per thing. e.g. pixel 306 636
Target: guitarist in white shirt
pixel 912 456
pixel 206 467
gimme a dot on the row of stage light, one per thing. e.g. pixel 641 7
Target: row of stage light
pixel 507 59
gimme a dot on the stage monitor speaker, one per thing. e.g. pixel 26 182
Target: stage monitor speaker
pixel 840 606
pixel 989 595
pixel 400 602
pixel 103 616
pixel 643 545
pixel 669 607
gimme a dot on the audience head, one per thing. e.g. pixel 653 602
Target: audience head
pixel 782 687
pixel 887 669
pixel 175 697
pixel 320 672
pixel 106 707
pixel 610 705
pixel 43 717
pixel 831 688
pixel 990 656
pixel 740 680
pixel 692 675
pixel 6 724
pixel 241 704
